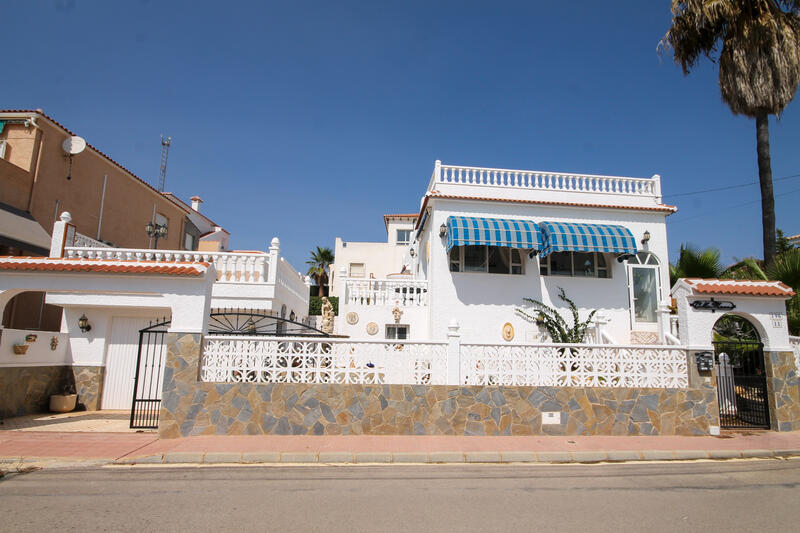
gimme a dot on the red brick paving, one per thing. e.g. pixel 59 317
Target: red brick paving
pixel 31 444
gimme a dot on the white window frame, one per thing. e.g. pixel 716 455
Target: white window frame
pixel 398 241
pixel 350 270
pixel 544 266
pixel 395 328
pixel 511 263
pixel 643 260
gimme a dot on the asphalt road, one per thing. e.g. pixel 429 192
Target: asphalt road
pixel 709 496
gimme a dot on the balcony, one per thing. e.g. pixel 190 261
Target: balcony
pixel 388 292
pixel 543 186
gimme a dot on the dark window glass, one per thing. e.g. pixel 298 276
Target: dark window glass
pixel 583 263
pixel 499 260
pixel 561 264
pixel 474 258
pixel 455 259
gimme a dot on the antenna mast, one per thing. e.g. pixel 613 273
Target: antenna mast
pixel 162 175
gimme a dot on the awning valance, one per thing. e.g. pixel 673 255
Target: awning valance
pixel 578 237
pixel 464 231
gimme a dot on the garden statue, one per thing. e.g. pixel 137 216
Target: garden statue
pixel 327 315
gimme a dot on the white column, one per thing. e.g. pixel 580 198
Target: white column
pixel 63 235
pixel 663 321
pixel 453 353
pixel 274 253
pixel 342 288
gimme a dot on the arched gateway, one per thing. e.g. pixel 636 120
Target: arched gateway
pixel 741 326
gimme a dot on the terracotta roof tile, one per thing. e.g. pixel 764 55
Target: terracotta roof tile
pixel 48 264
pixel 740 287
pixel 661 207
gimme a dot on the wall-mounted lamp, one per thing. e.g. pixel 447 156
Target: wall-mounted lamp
pixel 83 323
pixel 292 316
pixel 412 253
pixel 646 237
pixel 155 231
pixel 442 230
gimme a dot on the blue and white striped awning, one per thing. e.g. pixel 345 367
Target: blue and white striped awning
pixel 464 231
pixel 577 237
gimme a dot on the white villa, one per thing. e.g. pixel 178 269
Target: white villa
pixel 485 238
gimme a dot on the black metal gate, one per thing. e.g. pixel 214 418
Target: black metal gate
pixel 741 384
pixel 149 376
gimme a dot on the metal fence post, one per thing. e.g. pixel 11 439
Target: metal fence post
pixel 453 353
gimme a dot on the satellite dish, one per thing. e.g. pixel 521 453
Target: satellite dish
pixel 73 145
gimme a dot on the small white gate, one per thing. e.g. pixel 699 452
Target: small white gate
pixel 121 355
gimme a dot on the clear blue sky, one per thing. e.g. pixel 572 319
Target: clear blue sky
pixel 310 120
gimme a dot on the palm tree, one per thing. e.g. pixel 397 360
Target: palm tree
pixel 694 263
pixel 319 265
pixel 759 67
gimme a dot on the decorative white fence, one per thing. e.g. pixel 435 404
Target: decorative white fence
pixel 402 292
pixel 795 343
pixel 574 365
pixel 232 267
pixel 333 360
pixel 537 180
pixel 330 360
pixel 87 242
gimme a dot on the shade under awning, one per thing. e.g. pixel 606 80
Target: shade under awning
pixel 578 237
pixel 18 229
pixel 465 231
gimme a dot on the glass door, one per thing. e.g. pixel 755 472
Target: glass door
pixel 644 296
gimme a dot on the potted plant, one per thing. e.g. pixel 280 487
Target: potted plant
pixel 20 349
pixel 66 401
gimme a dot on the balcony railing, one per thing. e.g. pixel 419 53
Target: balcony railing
pixel 405 293
pixel 232 267
pixel 545 181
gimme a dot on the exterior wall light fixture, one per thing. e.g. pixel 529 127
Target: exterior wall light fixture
pixel 155 231
pixel 83 323
pixel 646 237
pixel 442 230
pixel 412 253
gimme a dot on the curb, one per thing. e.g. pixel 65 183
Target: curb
pixel 518 457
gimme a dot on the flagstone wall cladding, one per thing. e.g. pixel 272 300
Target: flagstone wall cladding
pixel 26 390
pixel 190 407
pixel 783 390
pixel 89 386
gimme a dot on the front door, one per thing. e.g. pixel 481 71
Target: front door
pixel 121 355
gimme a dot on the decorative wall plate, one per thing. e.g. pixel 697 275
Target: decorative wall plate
pixel 372 328
pixel 352 318
pixel 508 331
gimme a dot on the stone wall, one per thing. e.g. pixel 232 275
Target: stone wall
pixel 190 407
pixel 783 390
pixel 27 390
pixel 89 386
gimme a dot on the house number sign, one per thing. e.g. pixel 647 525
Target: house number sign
pixel 713 305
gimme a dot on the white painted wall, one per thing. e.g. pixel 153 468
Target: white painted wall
pixel 415 317
pixel 39 352
pixel 483 303
pixel 695 325
pixel 380 258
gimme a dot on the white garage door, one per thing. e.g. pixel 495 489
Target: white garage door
pixel 121 354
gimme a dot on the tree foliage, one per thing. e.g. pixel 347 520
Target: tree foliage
pixel 554 323
pixel 756 44
pixel 695 263
pixel 319 266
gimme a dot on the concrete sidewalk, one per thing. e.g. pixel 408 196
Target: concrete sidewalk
pixel 146 448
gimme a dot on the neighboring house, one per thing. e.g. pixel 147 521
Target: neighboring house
pixel 375 260
pixel 108 203
pixel 794 240
pixel 484 239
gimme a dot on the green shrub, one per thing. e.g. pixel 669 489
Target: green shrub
pixel 315 305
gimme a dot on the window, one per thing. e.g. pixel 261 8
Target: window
pixel 403 236
pixel 576 264
pixel 3 144
pixel 188 242
pixel 357 270
pixel 481 258
pixel 397 331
